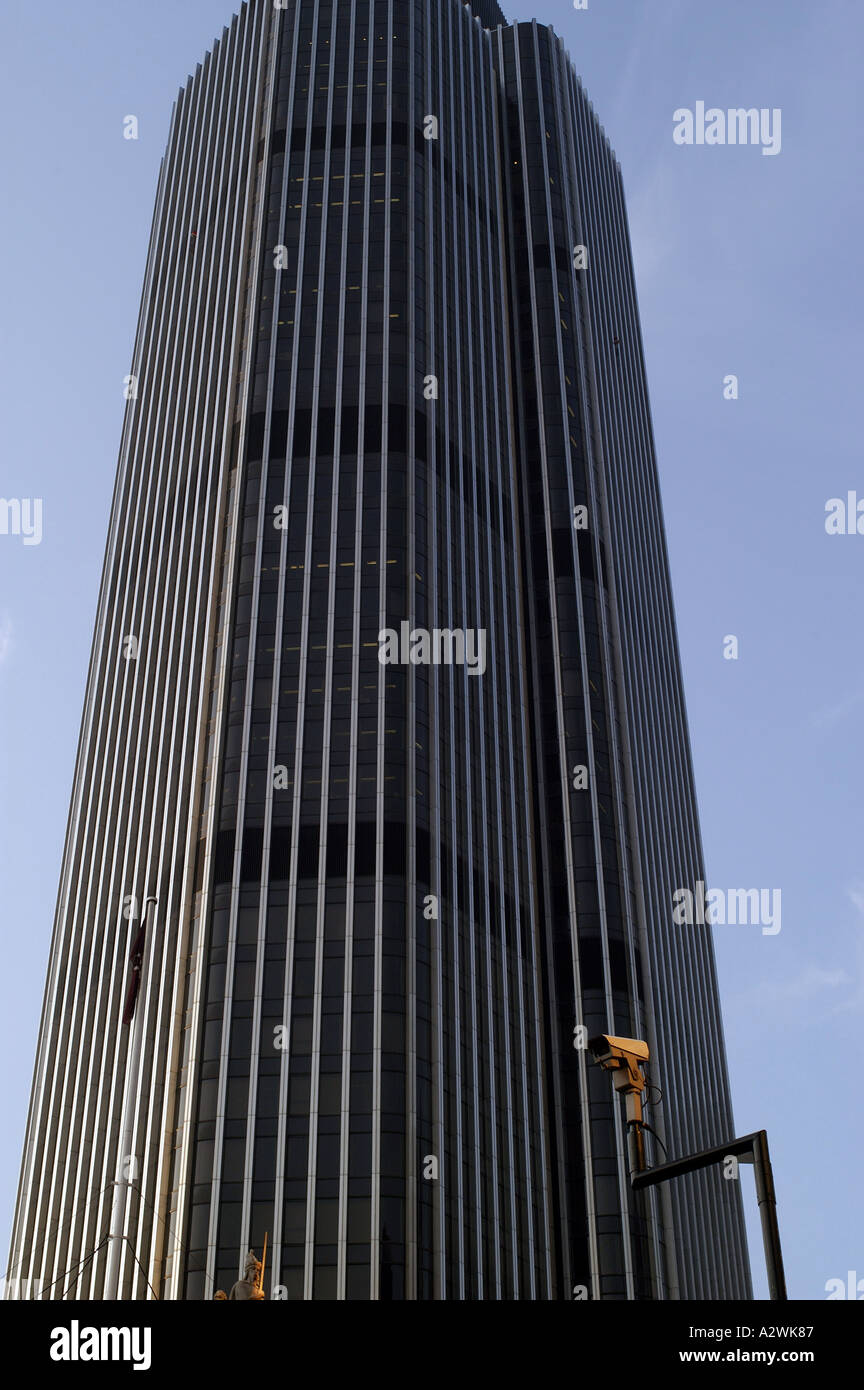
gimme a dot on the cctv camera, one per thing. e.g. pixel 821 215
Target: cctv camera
pixel 623 1057
pixel 605 1048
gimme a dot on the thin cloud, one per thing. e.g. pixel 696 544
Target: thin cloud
pixel 5 637
pixel 829 715
pixel 856 897
pixel 838 991
pixel 855 1000
pixel 810 984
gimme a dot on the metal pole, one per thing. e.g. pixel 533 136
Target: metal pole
pixel 124 1155
pixel 636 1148
pixel 767 1200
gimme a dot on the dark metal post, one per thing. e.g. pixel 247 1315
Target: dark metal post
pixel 767 1199
pixel 636 1147
pixel 750 1148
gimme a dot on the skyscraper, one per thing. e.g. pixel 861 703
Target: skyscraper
pixel 384 712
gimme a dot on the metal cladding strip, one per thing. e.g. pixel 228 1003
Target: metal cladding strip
pixel 371 258
pixel 307 255
pixel 358 593
pixel 486 691
pixel 369 399
pixel 455 604
pixel 348 985
pixel 476 81
pixel 482 613
pixel 357 649
pixel 288 49
pixel 378 9
pixel 329 649
pixel 450 1019
pixel 436 341
pixel 472 1211
pixel 414 1193
pixel 451 1168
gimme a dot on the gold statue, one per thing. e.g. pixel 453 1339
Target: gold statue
pixel 252 1287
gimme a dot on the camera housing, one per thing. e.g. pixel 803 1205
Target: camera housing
pixel 624 1057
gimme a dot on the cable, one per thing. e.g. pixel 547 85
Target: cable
pixel 80 1272
pixel 85 1263
pixel 168 1230
pixel 657 1137
pixel 141 1267
pixel 151 1207
pixel 33 1250
pixel 73 1267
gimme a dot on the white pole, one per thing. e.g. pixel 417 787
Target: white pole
pixel 127 1125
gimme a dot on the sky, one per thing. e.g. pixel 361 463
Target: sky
pixel 746 264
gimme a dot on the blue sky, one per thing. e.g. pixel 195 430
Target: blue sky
pixel 745 264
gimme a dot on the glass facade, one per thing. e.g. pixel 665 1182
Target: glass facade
pixel 379 391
